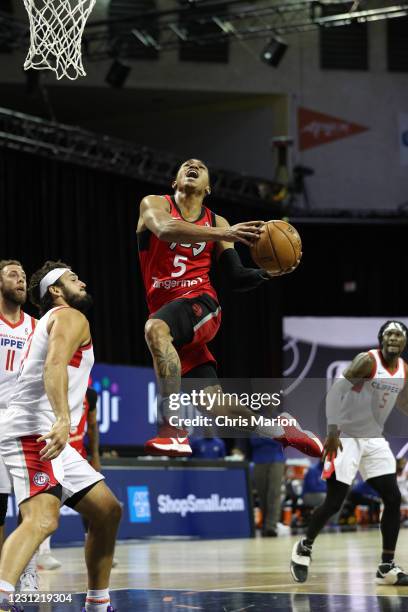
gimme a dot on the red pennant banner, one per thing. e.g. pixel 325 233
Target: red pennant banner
pixel 317 128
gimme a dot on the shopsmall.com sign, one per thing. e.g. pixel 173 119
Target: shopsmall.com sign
pixel 192 504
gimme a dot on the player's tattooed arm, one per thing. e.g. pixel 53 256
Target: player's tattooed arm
pixel 360 368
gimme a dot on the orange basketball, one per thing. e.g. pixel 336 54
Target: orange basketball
pixel 278 249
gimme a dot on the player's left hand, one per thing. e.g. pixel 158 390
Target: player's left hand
pixel 331 446
pixel 58 438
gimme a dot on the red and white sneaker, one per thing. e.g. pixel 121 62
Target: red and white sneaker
pixel 304 441
pixel 170 442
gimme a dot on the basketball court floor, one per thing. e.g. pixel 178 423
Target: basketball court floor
pixel 236 576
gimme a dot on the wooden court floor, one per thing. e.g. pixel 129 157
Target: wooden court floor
pixel 343 564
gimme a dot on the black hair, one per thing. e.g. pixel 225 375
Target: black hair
pixel 384 327
pixel 44 303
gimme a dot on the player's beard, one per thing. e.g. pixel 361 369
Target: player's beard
pixel 80 301
pixel 15 297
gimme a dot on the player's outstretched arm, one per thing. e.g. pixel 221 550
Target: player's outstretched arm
pixel 156 216
pixel 235 275
pixel 68 329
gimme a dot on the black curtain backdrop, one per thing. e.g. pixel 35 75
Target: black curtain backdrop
pixel 54 210
pixel 51 210
pixel 350 270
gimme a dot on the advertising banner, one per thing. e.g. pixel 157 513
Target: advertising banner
pixel 165 500
pixel 127 407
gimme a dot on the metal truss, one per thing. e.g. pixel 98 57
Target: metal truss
pixel 235 19
pixel 66 143
pixel 202 23
pixel 72 144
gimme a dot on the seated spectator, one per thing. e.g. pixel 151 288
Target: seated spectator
pixel 208 448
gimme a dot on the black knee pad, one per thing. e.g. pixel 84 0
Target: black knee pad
pixel 3 507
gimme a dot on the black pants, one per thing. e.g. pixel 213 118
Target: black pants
pixel 387 488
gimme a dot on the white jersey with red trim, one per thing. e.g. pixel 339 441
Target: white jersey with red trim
pixel 13 337
pixel 29 410
pixel 366 407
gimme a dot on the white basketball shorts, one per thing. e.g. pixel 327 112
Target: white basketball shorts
pixel 30 475
pixel 369 456
pixel 5 484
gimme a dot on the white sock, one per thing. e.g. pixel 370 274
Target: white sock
pixel 97 600
pixel 45 547
pixel 31 567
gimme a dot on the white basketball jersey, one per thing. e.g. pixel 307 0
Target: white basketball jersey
pixel 13 337
pixel 29 410
pixel 366 407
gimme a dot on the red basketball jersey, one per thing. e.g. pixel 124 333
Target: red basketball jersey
pixel 172 271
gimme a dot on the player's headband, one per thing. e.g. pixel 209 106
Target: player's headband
pixel 50 278
pixel 394 326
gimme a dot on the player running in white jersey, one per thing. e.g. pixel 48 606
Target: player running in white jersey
pixel 357 406
pixel 45 471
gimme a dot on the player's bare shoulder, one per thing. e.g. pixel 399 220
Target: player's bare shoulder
pixel 69 318
pixel 151 203
pixel 361 367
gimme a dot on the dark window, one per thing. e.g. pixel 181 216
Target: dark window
pixel 397 44
pixel 200 27
pixel 6 7
pixel 128 43
pixel 343 47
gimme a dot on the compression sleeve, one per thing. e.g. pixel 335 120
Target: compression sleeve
pixel 333 399
pixel 236 276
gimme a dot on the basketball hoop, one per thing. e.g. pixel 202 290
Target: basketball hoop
pixel 56 28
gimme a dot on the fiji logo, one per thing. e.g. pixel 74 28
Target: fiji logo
pixel 40 479
pixel 107 406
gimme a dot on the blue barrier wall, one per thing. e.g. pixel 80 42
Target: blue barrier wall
pixel 197 499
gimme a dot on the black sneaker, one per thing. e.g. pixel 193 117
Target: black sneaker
pixel 269 533
pixel 391 574
pixel 300 561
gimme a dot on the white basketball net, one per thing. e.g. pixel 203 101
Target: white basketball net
pixel 56 28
